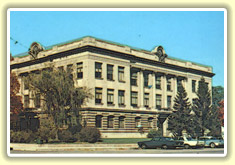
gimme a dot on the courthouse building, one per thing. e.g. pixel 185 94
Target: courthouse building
pixel 133 89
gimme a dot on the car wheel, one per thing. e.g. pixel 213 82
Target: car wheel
pixel 186 146
pixel 212 145
pixel 143 146
pixel 164 146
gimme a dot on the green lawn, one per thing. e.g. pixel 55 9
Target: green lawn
pixel 122 140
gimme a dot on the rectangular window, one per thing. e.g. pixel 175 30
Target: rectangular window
pixel 179 83
pixel 79 70
pixel 109 72
pixel 168 101
pixel 158 82
pixel 121 97
pixel 146 79
pixel 150 122
pixel 110 121
pixel 61 68
pixel 98 95
pixel 193 85
pixel 168 84
pixel 37 100
pixel 121 123
pixel 134 99
pixel 26 101
pixel 110 93
pixel 98 70
pixel 158 101
pixel 121 73
pixel 134 78
pixel 70 70
pixel 146 99
pixel 26 82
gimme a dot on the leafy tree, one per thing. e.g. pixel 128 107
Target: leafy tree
pixel 221 112
pixel 61 99
pixel 217 95
pixel 206 116
pixel 181 119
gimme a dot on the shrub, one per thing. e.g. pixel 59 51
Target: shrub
pixel 22 136
pixel 75 129
pixel 89 134
pixel 153 133
pixel 66 136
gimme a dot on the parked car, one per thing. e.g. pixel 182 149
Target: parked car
pixel 190 142
pixel 212 142
pixel 161 142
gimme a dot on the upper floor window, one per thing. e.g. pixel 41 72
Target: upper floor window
pixel 134 78
pixel 26 101
pixel 158 101
pixel 110 93
pixel 179 83
pixel 168 80
pixel 121 73
pixel 193 85
pixel 98 95
pixel 146 99
pixel 61 68
pixel 80 70
pixel 168 101
pixel 98 70
pixel 70 70
pixel 134 99
pixel 121 97
pixel 37 100
pixel 146 79
pixel 158 82
pixel 109 72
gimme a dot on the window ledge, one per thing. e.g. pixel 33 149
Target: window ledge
pixel 111 105
pixel 99 78
pixel 110 80
pixel 122 105
pixel 99 104
pixel 122 81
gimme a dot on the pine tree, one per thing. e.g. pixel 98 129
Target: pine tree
pixel 206 117
pixel 180 119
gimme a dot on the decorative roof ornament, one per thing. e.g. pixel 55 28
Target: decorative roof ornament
pixel 34 49
pixel 160 52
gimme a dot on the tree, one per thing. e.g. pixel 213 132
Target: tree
pixel 61 99
pixel 181 119
pixel 217 95
pixel 221 112
pixel 206 116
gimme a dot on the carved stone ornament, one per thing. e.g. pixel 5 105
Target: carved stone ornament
pixel 34 49
pixel 160 52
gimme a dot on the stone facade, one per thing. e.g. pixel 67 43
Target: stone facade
pixel 133 89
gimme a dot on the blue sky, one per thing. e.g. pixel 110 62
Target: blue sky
pixel 196 36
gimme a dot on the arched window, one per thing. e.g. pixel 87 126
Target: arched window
pixel 98 121
pixel 121 121
pixel 137 122
pixel 110 121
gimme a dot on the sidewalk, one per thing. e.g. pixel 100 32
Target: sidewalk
pixel 71 147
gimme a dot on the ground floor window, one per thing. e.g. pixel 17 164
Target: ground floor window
pixel 98 121
pixel 121 122
pixel 137 121
pixel 110 121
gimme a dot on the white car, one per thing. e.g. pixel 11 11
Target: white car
pixel 191 143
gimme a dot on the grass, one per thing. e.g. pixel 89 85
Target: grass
pixel 123 140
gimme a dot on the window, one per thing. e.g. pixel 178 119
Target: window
pixel 168 80
pixel 158 82
pixel 134 78
pixel 121 73
pixel 26 101
pixel 146 79
pixel 98 95
pixel 110 121
pixel 137 121
pixel 193 85
pixel 150 122
pixel 158 101
pixel 110 93
pixel 109 72
pixel 121 122
pixel 70 70
pixel 79 70
pixel 179 83
pixel 146 99
pixel 98 70
pixel 134 99
pixel 121 97
pixel 168 101
pixel 61 68
pixel 37 102
pixel 98 121
pixel 26 82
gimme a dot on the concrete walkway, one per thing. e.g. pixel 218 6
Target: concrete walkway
pixel 71 147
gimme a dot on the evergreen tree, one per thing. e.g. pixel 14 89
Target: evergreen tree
pixel 206 117
pixel 181 118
